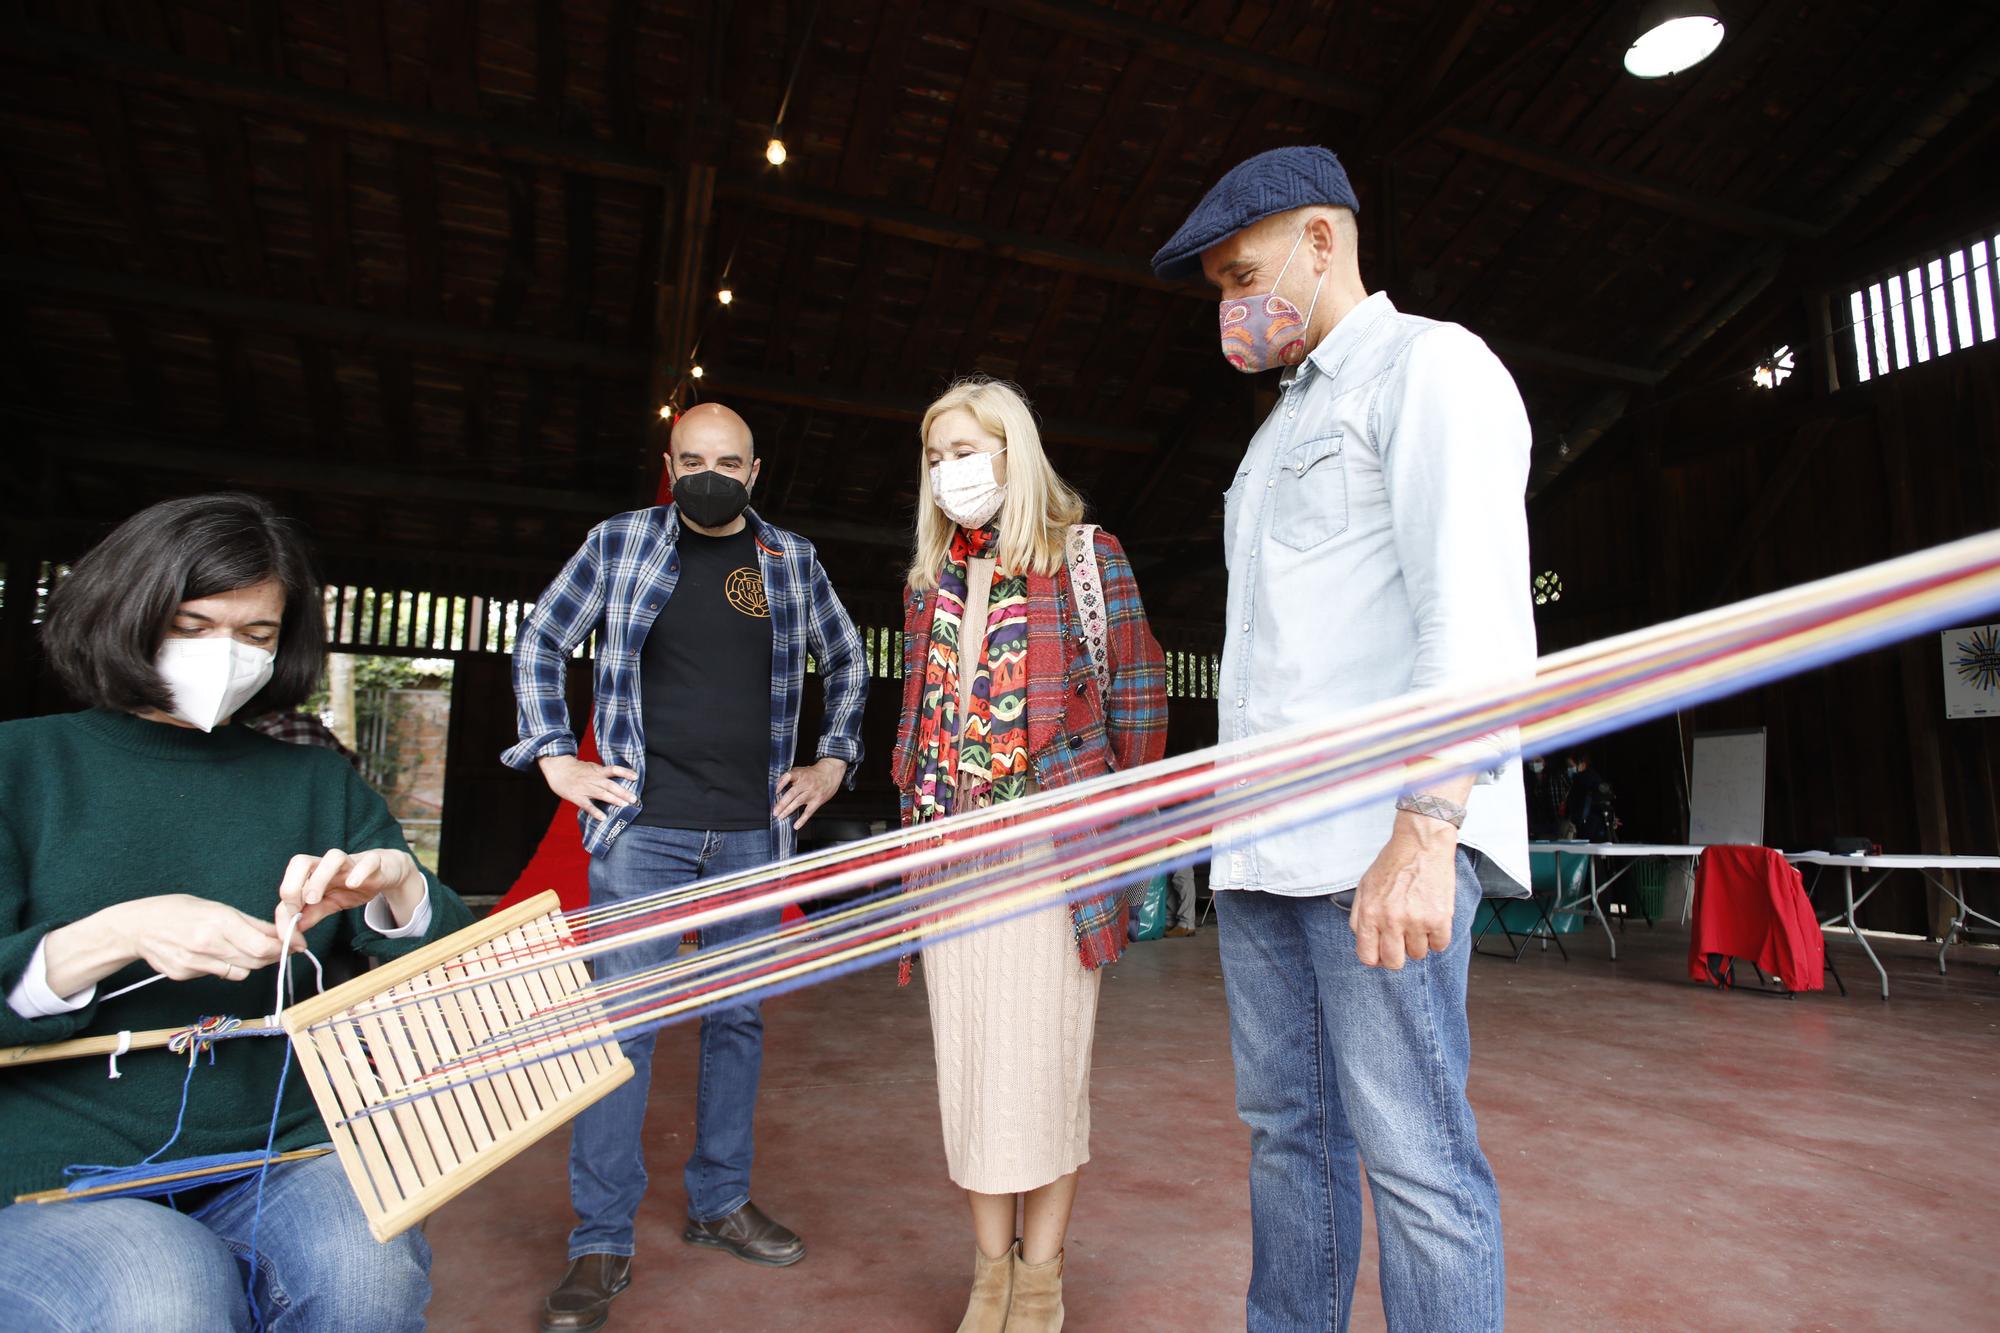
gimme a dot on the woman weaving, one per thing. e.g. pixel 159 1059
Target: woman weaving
pixel 1005 692
pixel 148 835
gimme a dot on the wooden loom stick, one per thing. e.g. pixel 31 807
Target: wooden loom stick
pixel 151 1039
pixel 171 1177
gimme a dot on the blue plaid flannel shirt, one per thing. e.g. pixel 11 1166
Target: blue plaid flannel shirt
pixel 615 585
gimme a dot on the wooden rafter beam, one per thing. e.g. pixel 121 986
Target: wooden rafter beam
pixel 1167 42
pixel 1406 123
pixel 1433 52
pixel 1589 175
pixel 725 381
pixel 329 322
pixel 916 224
pixel 141 66
pixel 289 472
pixel 1127 270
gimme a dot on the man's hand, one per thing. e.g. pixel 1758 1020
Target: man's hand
pixel 805 790
pixel 1403 906
pixel 583 784
pixel 315 887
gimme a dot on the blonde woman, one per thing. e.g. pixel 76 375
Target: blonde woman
pixel 1001 699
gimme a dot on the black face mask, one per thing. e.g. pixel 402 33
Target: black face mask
pixel 709 498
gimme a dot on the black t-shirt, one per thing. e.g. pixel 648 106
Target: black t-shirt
pixel 705 688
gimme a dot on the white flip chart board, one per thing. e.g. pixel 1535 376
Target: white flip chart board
pixel 1727 803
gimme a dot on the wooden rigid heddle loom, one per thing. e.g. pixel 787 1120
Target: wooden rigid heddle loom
pixel 437 1068
pixel 377 1039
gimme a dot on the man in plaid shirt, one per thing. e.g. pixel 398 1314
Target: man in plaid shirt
pixel 704 615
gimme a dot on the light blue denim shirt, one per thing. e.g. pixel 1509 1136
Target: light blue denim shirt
pixel 1377 540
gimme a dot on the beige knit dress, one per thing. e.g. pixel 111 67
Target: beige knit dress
pixel 1013 1013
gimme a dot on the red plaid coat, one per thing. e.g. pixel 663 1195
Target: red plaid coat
pixel 1075 730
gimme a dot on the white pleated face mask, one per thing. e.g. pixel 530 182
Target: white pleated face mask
pixel 965 490
pixel 210 678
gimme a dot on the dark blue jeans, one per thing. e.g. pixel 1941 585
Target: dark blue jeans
pixel 607 1161
pixel 137 1265
pixel 1340 1066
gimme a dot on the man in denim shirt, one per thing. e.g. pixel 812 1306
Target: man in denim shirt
pixel 703 615
pixel 1377 546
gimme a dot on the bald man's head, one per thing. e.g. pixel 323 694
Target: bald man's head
pixel 716 424
pixel 711 438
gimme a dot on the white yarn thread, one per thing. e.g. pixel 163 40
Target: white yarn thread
pixel 285 987
pixel 124 1045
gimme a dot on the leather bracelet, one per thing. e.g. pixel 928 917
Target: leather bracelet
pixel 1433 807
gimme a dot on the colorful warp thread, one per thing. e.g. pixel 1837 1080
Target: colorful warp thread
pixel 933 882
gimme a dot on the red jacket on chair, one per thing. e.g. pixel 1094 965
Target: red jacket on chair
pixel 1749 902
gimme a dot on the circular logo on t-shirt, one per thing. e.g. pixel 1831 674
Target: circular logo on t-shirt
pixel 745 590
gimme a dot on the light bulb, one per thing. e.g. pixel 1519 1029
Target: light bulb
pixel 666 411
pixel 1673 36
pixel 725 296
pixel 774 152
pixel 696 371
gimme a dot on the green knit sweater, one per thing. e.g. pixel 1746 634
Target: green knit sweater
pixel 99 808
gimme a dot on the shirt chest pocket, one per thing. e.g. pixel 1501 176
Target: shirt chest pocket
pixel 1310 506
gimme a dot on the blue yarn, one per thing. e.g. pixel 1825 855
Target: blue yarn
pixel 222 1168
pixel 264 1171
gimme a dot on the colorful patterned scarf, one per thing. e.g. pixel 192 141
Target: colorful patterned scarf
pixel 986 760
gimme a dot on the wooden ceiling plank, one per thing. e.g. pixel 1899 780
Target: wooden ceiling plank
pixel 214 84
pixel 1054 307
pixel 327 214
pixel 1419 121
pixel 517 267
pixel 423 262
pixel 454 84
pixel 323 398
pixel 579 287
pixel 1243 64
pixel 1084 182
pixel 124 174
pixel 551 64
pixel 142 366
pixel 367 54
pixel 994 38
pixel 1588 174
pixel 331 322
pixel 936 229
pixel 874 96
pixel 742 382
pixel 317 475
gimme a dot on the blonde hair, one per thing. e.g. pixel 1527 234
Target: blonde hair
pixel 1036 515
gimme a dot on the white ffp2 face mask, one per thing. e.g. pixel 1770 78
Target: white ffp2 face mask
pixel 210 678
pixel 965 490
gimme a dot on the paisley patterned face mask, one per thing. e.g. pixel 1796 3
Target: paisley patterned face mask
pixel 1261 332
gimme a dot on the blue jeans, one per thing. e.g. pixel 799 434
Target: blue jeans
pixel 1340 1066
pixel 607 1160
pixel 136 1265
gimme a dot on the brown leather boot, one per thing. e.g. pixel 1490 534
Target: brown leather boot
pixel 1037 1305
pixel 581 1302
pixel 992 1287
pixel 750 1235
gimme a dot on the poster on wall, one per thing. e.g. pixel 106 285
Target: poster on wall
pixel 1972 671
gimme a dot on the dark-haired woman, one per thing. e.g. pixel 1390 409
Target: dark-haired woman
pixel 148 835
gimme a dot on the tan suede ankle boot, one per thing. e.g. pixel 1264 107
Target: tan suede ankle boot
pixel 1037 1306
pixel 992 1286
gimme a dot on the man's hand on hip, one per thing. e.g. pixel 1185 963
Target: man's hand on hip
pixel 1403 906
pixel 802 791
pixel 584 784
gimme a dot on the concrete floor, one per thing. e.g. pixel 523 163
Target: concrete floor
pixel 1669 1157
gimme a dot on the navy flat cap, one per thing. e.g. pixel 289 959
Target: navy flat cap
pixel 1272 182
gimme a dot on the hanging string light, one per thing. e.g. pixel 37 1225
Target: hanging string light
pixel 774 151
